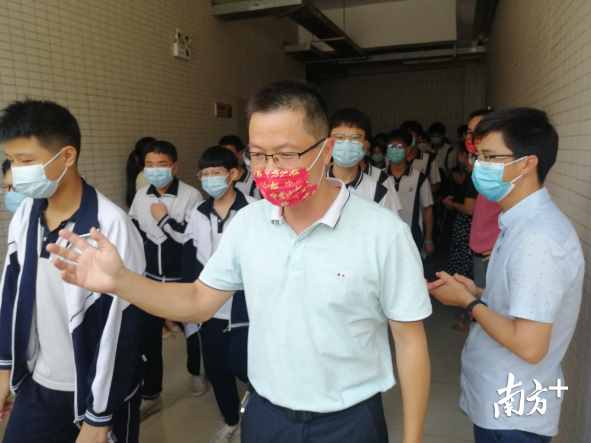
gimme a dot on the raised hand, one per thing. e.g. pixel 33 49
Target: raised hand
pixel 94 268
pixel 450 291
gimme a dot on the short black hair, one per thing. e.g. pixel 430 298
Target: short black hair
pixel 412 126
pixel 437 128
pixel 218 157
pixel 401 134
pixel 462 130
pixel 353 118
pixel 232 140
pixel 52 124
pixel 162 147
pixel 142 144
pixel 480 112
pixel 293 95
pixel 525 131
pixel 5 166
pixel 380 140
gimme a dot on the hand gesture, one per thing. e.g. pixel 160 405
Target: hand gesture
pixel 449 291
pixel 159 211
pixel 94 268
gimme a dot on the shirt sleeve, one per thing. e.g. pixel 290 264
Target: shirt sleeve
pixel 538 277
pixel 426 195
pixel 404 295
pixel 223 271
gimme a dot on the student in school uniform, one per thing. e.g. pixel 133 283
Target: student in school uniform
pixel 12 199
pixel 160 212
pixel 72 357
pixel 351 130
pixel 420 156
pixel 414 190
pixel 225 335
pixel 245 182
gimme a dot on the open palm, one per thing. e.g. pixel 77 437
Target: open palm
pixel 87 266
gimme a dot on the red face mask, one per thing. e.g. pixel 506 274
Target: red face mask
pixel 286 187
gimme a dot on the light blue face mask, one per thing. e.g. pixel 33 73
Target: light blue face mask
pixel 395 153
pixel 32 181
pixel 12 200
pixel 158 177
pixel 347 153
pixel 488 179
pixel 215 185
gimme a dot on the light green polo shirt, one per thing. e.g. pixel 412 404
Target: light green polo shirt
pixel 319 302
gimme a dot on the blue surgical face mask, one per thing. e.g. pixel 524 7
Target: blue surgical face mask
pixel 395 154
pixel 215 185
pixel 32 181
pixel 158 177
pixel 12 200
pixel 488 179
pixel 347 153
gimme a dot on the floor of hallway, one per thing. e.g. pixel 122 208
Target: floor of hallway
pixel 188 419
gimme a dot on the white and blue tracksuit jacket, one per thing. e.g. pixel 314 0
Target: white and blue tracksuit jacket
pixel 105 330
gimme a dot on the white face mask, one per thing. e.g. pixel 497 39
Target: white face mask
pixel 33 182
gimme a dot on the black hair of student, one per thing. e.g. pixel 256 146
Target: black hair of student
pixel 52 124
pixel 381 141
pixel 5 166
pixel 295 96
pixel 437 128
pixel 412 126
pixel 218 157
pixel 353 118
pixel 525 131
pixel 462 131
pixel 401 134
pixel 232 140
pixel 480 112
pixel 162 147
pixel 141 145
pixel 135 164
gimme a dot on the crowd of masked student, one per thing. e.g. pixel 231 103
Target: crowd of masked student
pixel 82 350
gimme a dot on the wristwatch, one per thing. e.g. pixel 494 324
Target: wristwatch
pixel 473 304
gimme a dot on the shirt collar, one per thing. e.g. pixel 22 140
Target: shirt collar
pixel 86 205
pixel 332 215
pixel 172 190
pixel 355 182
pixel 523 208
pixel 206 208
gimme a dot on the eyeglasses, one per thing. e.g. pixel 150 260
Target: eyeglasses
pixel 286 160
pixel 488 157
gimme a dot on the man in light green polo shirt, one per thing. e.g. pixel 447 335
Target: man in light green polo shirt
pixel 326 275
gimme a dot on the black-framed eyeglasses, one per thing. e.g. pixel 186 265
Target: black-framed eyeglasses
pixel 280 158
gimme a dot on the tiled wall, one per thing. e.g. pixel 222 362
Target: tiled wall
pixel 447 95
pixel 541 57
pixel 110 62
